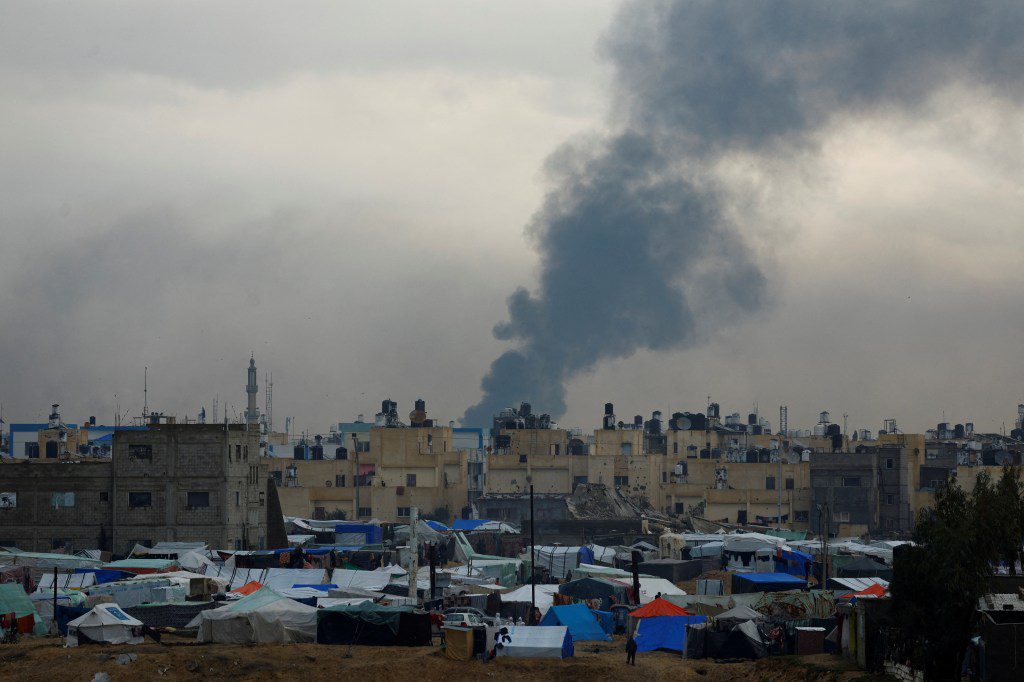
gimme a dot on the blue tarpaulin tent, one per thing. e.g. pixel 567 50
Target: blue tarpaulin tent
pixel 743 583
pixel 438 526
pixel 374 534
pixel 794 562
pixel 664 632
pixel 105 576
pixel 582 624
pixel 606 620
pixel 467 524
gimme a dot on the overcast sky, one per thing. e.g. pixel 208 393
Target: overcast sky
pixel 344 189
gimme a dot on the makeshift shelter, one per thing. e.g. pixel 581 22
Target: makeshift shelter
pixel 608 591
pixel 139 566
pixel 520 641
pixel 864 567
pixel 372 624
pixel 561 560
pixel 673 570
pixel 264 616
pixel 353 534
pixel 363 580
pixel 659 608
pixel 246 589
pixel 14 600
pixel 664 632
pixel 105 624
pixel 794 562
pixel 652 587
pixel 740 641
pixel 582 624
pixel 740 613
pixel 765 582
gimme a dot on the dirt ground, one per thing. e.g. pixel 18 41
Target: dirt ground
pixel 47 659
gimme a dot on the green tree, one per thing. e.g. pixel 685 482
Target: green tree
pixel 936 585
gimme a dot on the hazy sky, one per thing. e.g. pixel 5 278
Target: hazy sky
pixel 345 190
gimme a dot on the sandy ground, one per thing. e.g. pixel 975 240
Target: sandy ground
pixel 47 659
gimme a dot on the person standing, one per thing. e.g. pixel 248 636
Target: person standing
pixel 631 651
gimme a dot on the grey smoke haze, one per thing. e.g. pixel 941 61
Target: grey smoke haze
pixel 636 248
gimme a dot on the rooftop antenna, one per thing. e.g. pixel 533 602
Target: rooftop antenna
pixel 145 393
pixel 269 381
pixel 844 422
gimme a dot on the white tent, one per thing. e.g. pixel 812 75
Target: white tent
pixel 106 624
pixel 264 616
pixel 523 594
pixel 538 641
pixel 364 580
pixel 650 587
pixel 277 578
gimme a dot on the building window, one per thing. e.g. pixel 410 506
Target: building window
pixel 404 512
pixel 675 448
pixel 339 480
pixel 60 543
pixel 319 513
pixel 104 497
pixel 245 452
pixel 262 498
pixel 364 511
pixel 8 501
pixel 363 446
pixel 238 499
pixel 136 452
pixel 63 500
pixel 889 463
pixel 664 477
pixel 841 517
pixel 800 516
pixel 32 450
pixel 430 443
pixel 621 481
pixel 888 524
pixel 890 499
pixel 140 500
pixel 626 448
pixel 410 480
pixel 789 484
pixel 851 481
pixel 277 476
pixel 238 452
pixel 769 483
pixel 197 499
pixel 556 449
pixel 680 507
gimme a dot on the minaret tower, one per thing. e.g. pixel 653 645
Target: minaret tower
pixel 252 413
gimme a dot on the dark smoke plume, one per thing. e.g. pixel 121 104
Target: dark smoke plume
pixel 634 241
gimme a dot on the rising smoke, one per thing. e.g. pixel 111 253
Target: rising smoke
pixel 635 244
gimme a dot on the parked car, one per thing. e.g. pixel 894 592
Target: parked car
pixel 463 619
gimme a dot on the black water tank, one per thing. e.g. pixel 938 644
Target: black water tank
pixel 609 408
pixel 316 452
pixel 638 420
pixel 751 419
pixel 299 452
pixel 524 409
pixel 958 431
pixel 420 405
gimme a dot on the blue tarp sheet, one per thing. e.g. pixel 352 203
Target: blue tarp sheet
pixel 105 576
pixel 66 614
pixel 794 562
pixel 606 620
pixel 765 582
pixel 664 632
pixel 322 588
pixel 438 526
pixel 374 534
pixel 467 524
pixel 587 555
pixel 582 624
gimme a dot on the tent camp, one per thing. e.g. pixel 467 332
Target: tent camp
pixel 14 600
pixel 372 624
pixel 521 641
pixel 582 624
pixel 863 567
pixel 105 624
pixel 263 616
pixel 523 594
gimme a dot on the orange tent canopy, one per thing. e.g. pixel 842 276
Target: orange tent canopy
pixel 248 588
pixel 659 607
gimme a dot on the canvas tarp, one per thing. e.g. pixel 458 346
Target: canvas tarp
pixel 651 587
pixel 374 581
pixel 14 600
pixel 373 625
pixel 522 641
pixel 582 624
pixel 657 608
pixel 561 560
pixel 105 624
pixel 664 632
pixel 543 600
pixel 262 617
pixel 740 612
pixel 277 578
pixel 65 581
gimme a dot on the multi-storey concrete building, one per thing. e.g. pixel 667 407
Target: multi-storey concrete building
pixel 169 482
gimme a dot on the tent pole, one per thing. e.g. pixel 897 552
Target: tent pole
pixel 55 596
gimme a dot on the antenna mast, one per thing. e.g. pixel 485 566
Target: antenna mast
pixel 145 394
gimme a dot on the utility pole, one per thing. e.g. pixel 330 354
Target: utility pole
pixel 414 556
pixel 533 563
pixel 355 475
